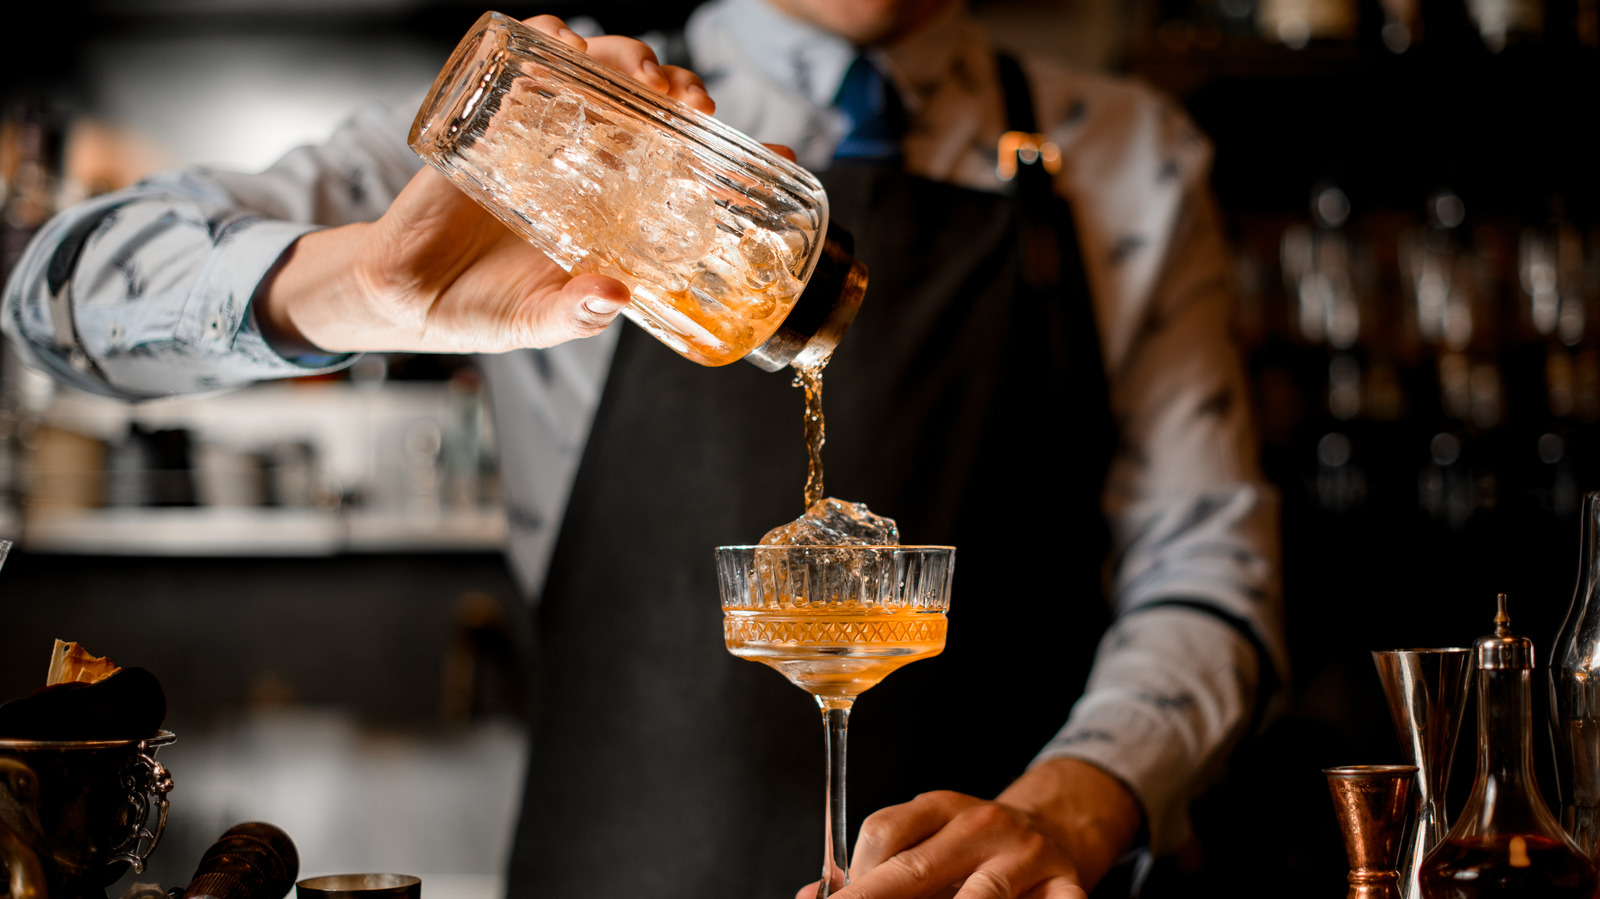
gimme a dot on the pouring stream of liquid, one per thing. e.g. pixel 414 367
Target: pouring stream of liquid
pixel 810 378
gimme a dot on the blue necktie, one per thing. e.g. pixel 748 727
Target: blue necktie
pixel 874 117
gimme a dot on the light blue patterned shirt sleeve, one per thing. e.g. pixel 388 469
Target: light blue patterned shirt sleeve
pixel 146 292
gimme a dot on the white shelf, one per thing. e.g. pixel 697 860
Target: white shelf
pixel 386 445
pixel 259 532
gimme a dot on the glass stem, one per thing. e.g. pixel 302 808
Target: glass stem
pixel 836 851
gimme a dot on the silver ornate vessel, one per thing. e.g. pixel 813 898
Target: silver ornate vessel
pixel 76 814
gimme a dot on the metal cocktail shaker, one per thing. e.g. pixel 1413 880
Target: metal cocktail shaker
pixel 726 246
pixel 1575 694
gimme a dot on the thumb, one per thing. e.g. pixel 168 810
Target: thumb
pixel 586 305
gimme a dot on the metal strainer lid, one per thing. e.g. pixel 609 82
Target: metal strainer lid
pixel 823 312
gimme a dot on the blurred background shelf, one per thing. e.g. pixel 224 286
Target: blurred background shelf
pixel 309 469
pixel 260 532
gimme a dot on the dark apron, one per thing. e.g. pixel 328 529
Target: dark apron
pixel 968 402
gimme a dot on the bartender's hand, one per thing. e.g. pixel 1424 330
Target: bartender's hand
pixel 1051 835
pixel 437 273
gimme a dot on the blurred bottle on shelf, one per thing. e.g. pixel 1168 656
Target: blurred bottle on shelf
pixel 1327 277
pixel 30 163
pixel 1555 279
pixel 150 467
pixel 1181 25
pixel 461 453
pixel 1402 24
pixel 1502 23
pixel 1446 367
pixel 1556 275
pixel 1453 299
pixel 1319 267
pixel 1586 23
pixel 30 170
pixel 1296 23
pixel 1440 274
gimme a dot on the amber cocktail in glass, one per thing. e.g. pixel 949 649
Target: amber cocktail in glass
pixel 835 620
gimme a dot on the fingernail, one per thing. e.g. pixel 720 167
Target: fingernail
pixel 565 32
pixel 598 306
pixel 652 71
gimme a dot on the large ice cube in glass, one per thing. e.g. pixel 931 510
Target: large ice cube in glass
pixel 834 522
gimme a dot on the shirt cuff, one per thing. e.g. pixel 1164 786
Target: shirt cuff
pixel 220 320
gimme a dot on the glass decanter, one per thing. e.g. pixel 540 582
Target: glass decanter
pixel 1506 842
pixel 725 245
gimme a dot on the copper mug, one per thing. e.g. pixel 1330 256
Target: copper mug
pixel 76 814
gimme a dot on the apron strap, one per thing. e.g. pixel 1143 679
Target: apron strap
pixel 1018 97
pixel 1044 266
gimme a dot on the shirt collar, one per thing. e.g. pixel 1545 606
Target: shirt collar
pixel 921 60
pixel 791 51
pixel 788 50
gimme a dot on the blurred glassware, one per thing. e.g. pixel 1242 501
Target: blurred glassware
pixel 1439 272
pixel 31 171
pixel 1296 23
pixel 66 471
pixel 1319 268
pixel 1504 22
pixel 1555 279
pixel 1402 24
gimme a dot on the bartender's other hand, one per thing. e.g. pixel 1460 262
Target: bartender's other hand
pixel 437 273
pixel 1051 835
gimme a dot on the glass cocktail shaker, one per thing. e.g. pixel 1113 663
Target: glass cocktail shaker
pixel 725 246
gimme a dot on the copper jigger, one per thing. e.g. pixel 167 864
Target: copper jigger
pixel 1373 803
pixel 1427 692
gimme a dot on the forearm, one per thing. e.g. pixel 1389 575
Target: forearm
pixel 1172 691
pixel 1196 653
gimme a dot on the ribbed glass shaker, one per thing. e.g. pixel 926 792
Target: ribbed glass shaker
pixel 726 246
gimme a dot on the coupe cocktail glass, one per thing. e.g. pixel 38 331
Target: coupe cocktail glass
pixel 835 620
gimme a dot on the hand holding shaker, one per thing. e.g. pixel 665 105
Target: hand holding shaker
pixel 725 246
